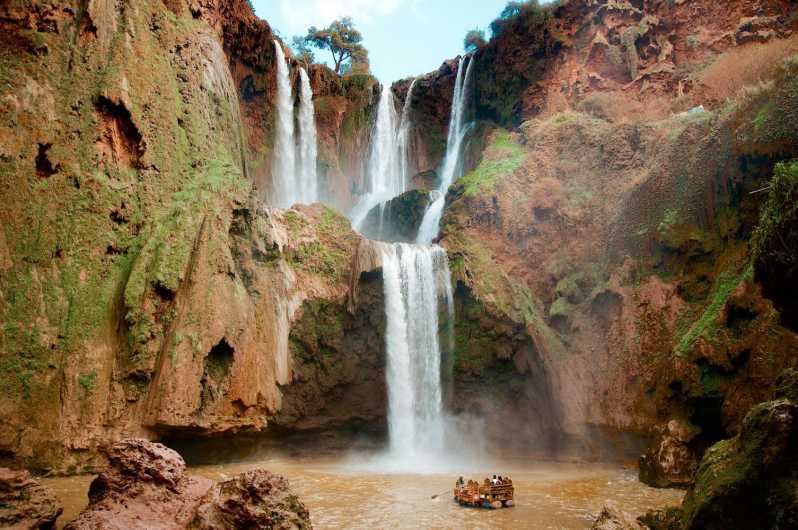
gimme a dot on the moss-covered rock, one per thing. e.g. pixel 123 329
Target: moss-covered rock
pixel 398 219
pixel 775 243
pixel 751 480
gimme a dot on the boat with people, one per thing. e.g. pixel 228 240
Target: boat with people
pixel 492 493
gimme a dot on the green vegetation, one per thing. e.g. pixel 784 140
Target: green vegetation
pixel 707 322
pixel 775 241
pixel 519 17
pixel 88 380
pixel 503 156
pixel 344 43
pixel 474 40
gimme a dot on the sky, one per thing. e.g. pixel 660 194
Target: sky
pixel 404 37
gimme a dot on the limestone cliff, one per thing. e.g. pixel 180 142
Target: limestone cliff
pixel 144 289
pixel 613 224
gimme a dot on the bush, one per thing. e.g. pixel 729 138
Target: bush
pixel 745 66
pixel 520 16
pixel 474 40
pixel 775 243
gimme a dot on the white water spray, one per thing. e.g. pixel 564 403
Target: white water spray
pixel 415 279
pixel 452 164
pixel 307 189
pixel 284 159
pixel 383 178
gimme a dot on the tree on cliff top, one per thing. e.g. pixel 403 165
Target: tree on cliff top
pixel 342 40
pixel 474 40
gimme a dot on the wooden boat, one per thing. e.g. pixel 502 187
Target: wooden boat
pixel 485 495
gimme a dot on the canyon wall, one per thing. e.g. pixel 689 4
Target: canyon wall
pixel 145 289
pixel 600 240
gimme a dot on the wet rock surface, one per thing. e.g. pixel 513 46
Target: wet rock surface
pixel 255 499
pixel 612 518
pixel 24 503
pixel 146 487
pixel 670 461
pixel 749 481
pixel 398 219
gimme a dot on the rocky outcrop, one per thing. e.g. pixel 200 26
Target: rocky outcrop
pixel 25 504
pixel 254 499
pixel 612 518
pixel 748 481
pixel 670 461
pixel 145 486
pixel 398 219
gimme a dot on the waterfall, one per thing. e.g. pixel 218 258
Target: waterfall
pixel 403 137
pixel 284 158
pixel 415 279
pixel 383 178
pixel 452 164
pixel 308 186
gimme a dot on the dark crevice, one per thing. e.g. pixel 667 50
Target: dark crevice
pixel 45 168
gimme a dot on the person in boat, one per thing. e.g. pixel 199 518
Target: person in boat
pixel 495 480
pixel 460 482
pixel 501 480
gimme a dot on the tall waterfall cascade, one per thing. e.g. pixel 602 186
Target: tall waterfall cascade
pixel 416 280
pixel 284 159
pixel 383 175
pixel 453 161
pixel 307 190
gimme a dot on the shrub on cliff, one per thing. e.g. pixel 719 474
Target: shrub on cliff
pixel 474 40
pixel 519 16
pixel 775 243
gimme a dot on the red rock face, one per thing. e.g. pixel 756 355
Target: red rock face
pixel 24 503
pixel 145 487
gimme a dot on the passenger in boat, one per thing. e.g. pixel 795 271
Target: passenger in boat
pixel 501 480
pixel 495 480
pixel 460 482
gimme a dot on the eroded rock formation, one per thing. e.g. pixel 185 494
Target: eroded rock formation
pixel 145 486
pixel 25 504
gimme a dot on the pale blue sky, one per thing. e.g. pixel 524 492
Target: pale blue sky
pixel 404 37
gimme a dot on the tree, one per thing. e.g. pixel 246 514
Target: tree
pixel 341 39
pixel 474 40
pixel 303 53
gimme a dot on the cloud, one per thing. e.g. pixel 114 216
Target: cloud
pixel 300 15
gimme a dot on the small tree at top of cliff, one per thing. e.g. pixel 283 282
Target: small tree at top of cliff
pixel 303 52
pixel 474 40
pixel 341 39
pixel 529 13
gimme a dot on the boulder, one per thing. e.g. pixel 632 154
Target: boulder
pixel 612 518
pixel 749 481
pixel 255 499
pixel 145 487
pixel 670 461
pixel 399 218
pixel 24 503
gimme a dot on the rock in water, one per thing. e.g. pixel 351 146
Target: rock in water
pixel 612 518
pixel 255 499
pixel 145 487
pixel 24 503
pixel 670 461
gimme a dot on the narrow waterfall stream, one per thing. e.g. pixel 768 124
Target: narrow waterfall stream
pixel 284 160
pixel 403 136
pixel 308 185
pixel 452 164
